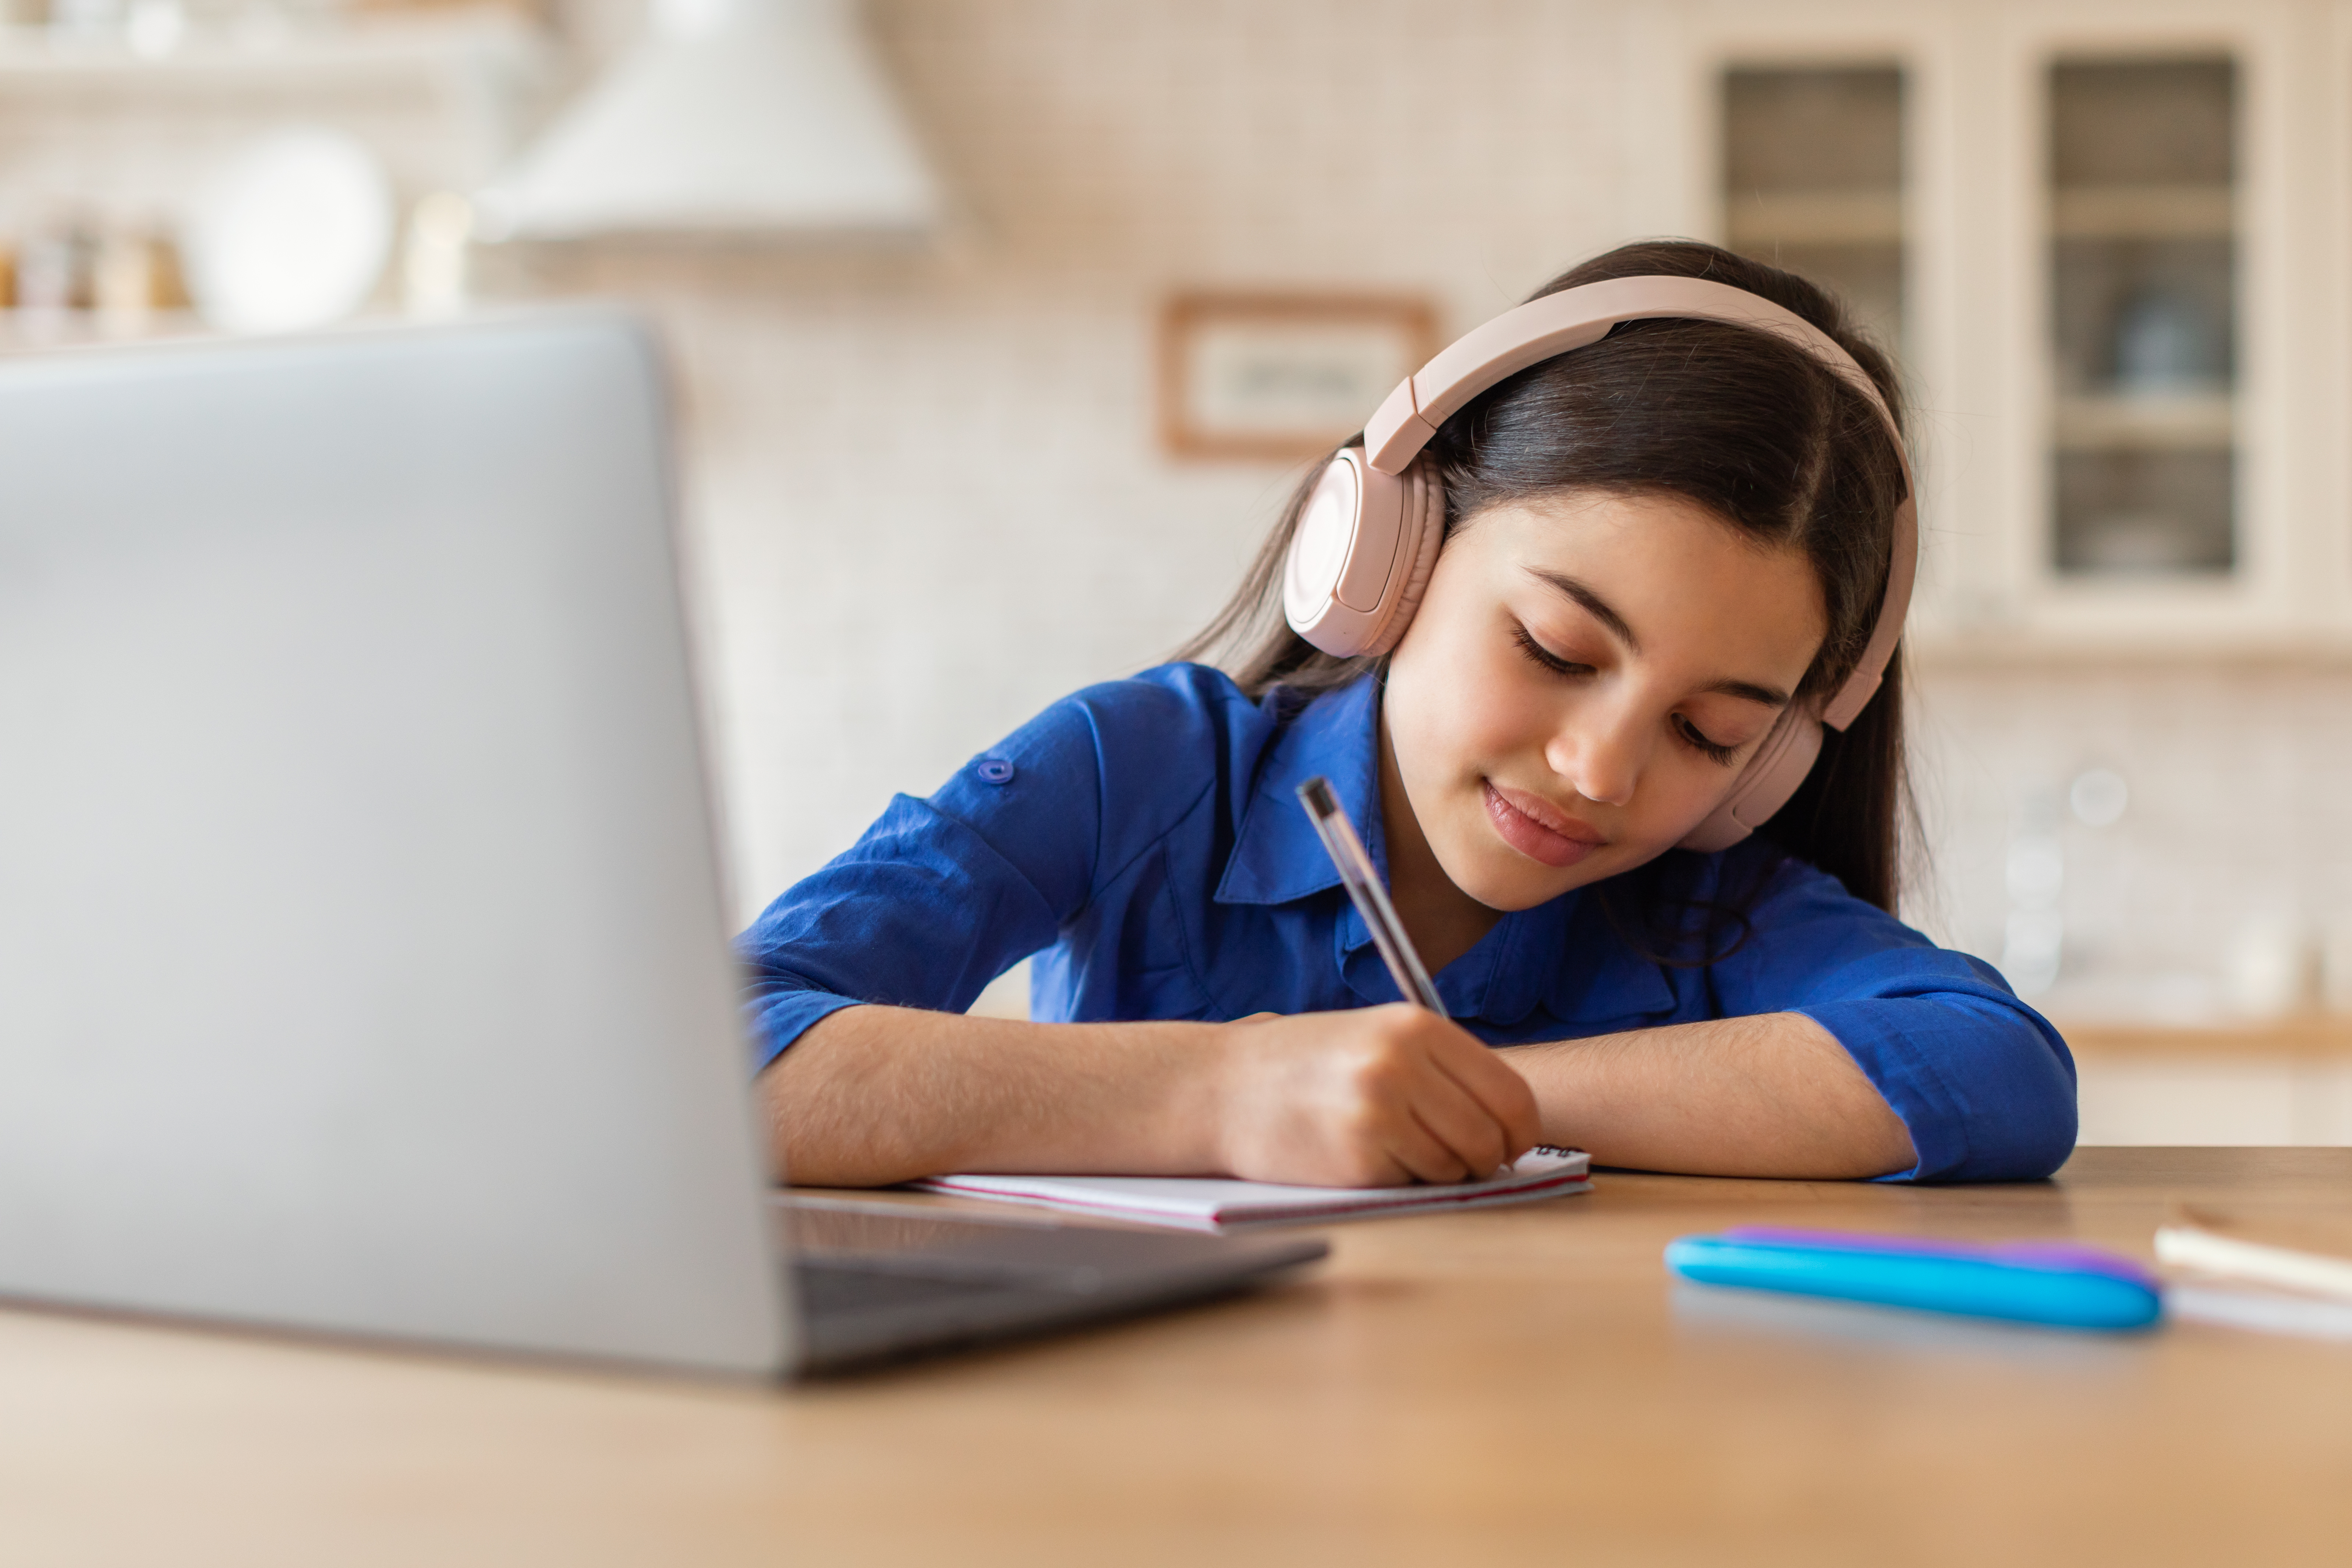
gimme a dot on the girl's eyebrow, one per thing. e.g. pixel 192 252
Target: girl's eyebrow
pixel 1600 610
pixel 1748 691
pixel 1594 605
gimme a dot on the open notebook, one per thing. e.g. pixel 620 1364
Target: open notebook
pixel 1198 1204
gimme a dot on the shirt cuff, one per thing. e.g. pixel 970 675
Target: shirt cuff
pixel 777 1022
pixel 1984 1093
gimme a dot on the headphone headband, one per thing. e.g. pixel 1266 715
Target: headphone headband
pixel 1557 323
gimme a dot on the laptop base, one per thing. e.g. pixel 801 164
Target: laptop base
pixel 879 1281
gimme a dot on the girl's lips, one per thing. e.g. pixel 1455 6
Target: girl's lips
pixel 1537 829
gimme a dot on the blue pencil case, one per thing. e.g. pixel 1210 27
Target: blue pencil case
pixel 2057 1283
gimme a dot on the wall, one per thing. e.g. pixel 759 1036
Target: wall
pixel 2235 842
pixel 928 500
pixel 928 495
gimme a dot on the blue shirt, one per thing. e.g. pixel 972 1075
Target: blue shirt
pixel 1141 838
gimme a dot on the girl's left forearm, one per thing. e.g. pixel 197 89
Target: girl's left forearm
pixel 1773 1095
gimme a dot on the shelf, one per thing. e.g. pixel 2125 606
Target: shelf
pixel 2005 646
pixel 2143 212
pixel 2200 423
pixel 312 61
pixel 1815 217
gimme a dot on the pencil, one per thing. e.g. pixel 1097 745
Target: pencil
pixel 1346 852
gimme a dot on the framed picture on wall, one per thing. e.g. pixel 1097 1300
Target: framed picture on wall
pixel 1278 377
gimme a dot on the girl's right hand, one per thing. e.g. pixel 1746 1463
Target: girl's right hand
pixel 1368 1097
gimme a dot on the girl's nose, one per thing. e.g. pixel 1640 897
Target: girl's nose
pixel 1600 757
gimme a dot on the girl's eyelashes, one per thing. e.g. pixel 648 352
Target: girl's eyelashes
pixel 1702 745
pixel 1537 653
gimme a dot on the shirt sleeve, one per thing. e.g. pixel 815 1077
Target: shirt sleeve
pixel 942 896
pixel 1984 1082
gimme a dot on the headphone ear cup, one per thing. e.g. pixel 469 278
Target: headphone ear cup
pixel 1424 514
pixel 1360 555
pixel 1764 786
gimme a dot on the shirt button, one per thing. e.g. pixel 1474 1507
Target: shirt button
pixel 994 771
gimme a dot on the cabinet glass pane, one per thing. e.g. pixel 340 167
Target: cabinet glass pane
pixel 2143 313
pixel 1812 178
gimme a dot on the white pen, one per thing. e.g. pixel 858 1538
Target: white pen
pixel 1347 852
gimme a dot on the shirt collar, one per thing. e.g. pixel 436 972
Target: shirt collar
pixel 1277 856
pixel 1563 956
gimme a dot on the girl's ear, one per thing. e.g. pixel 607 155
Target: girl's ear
pixel 1361 556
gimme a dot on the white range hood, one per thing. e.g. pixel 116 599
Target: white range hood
pixel 738 117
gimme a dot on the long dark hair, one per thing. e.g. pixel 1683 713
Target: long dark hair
pixel 1753 429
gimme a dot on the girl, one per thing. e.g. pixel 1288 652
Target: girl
pixel 1660 560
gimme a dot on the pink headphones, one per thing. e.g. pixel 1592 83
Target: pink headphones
pixel 1369 534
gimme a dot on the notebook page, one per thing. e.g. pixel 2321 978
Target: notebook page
pixel 1205 1204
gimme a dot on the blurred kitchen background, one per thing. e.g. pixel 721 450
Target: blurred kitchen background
pixel 1002 328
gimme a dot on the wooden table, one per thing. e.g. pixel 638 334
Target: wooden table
pixel 1517 1386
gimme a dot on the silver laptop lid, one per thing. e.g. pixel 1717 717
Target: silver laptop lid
pixel 363 955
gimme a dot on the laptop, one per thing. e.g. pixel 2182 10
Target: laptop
pixel 364 947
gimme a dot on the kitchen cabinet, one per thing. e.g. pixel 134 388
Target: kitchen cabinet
pixel 2284 1081
pixel 2109 241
